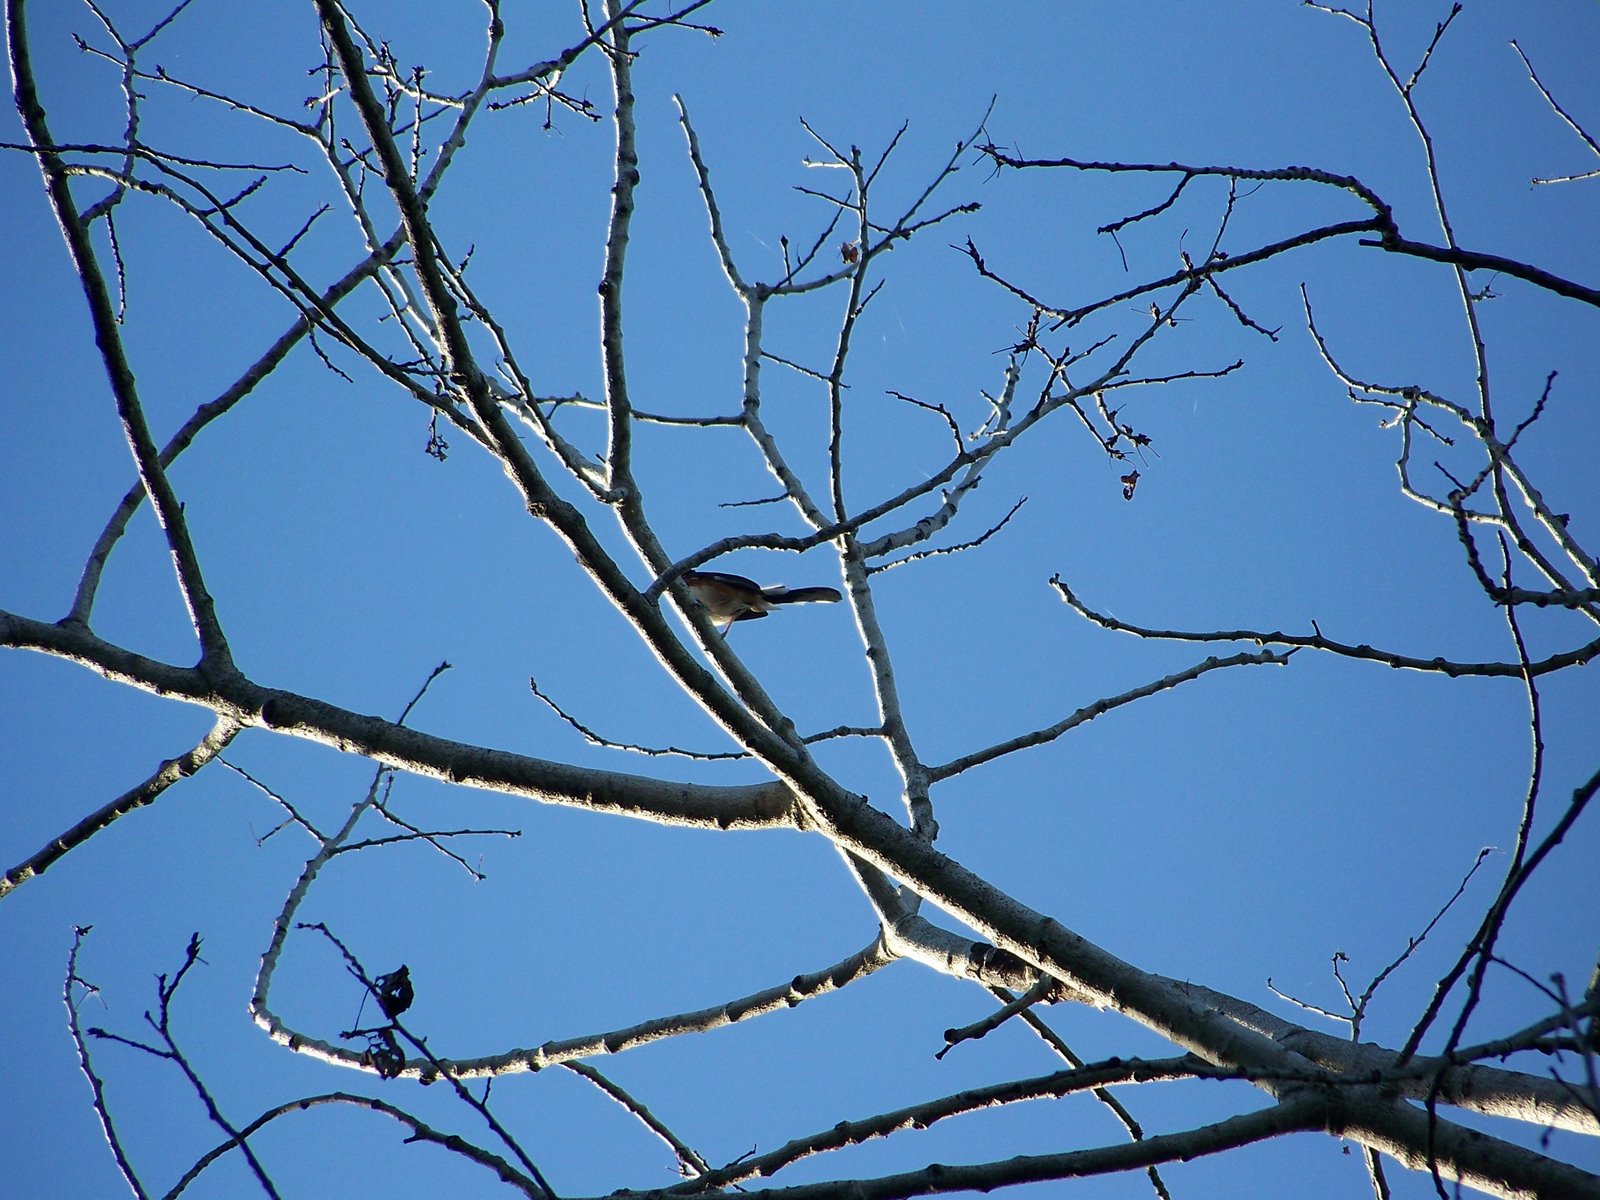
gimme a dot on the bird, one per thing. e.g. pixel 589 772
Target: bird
pixel 728 598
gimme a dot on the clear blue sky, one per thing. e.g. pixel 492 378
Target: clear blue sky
pixel 1247 825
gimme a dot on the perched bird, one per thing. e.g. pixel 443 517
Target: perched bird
pixel 729 598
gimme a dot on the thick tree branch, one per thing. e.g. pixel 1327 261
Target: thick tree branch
pixel 240 700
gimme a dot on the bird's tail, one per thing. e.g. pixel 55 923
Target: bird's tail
pixel 805 595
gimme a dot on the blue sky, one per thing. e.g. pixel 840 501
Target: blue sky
pixel 1246 825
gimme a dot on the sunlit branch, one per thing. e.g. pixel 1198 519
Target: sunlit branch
pixel 625 177
pixel 1572 123
pixel 1089 712
pixel 1499 460
pixel 723 807
pixel 1043 990
pixel 940 551
pixel 554 67
pixel 719 239
pixel 689 1161
pixel 119 372
pixel 915 938
pixel 779 998
pixel 88 584
pixel 102 1111
pixel 597 739
pixel 1284 1117
pixel 416 1130
pixel 1317 641
pixel 1087 1077
pixel 885 687
pixel 1359 1004
pixel 1457 1079
pixel 147 792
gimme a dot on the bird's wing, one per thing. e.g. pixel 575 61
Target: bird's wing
pixel 726 578
pixel 805 595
